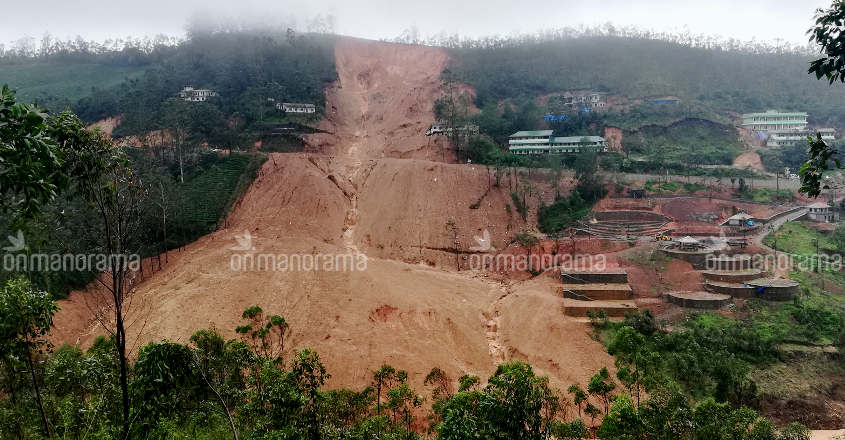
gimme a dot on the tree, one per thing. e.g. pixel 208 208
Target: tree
pixel 26 316
pixel 574 430
pixel 622 422
pixel 440 380
pixel 626 346
pixel 310 375
pixel 164 380
pixel 266 339
pixel 383 379
pixel 827 34
pixel 593 412
pixel 602 385
pixel 220 364
pixel 514 402
pixel 30 159
pixel 117 198
pixel 453 109
pixel 402 400
pixel 578 397
pixel 266 335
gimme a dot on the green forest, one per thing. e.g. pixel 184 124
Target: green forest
pixel 247 69
pixel 727 80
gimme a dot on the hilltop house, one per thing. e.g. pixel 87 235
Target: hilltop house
pixel 544 141
pixel 582 101
pixel 294 107
pixel 821 212
pixel 189 93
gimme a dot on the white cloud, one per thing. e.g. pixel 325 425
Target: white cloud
pixel 100 19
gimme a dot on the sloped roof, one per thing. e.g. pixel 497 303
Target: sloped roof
pixel 533 133
pixel 819 205
pixel 739 216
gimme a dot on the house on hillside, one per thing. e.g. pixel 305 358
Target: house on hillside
pixel 821 212
pixel 444 129
pixel 583 100
pixel 295 107
pixel 191 94
pixel 544 142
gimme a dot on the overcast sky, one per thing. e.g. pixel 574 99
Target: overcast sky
pixel 765 20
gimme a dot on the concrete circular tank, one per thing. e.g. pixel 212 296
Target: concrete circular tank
pixel 774 289
pixel 736 290
pixel 732 276
pixel 698 300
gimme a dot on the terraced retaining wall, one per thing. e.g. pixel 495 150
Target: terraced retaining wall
pixel 735 290
pixel 582 277
pixel 698 300
pixel 775 290
pixel 732 276
pixel 697 259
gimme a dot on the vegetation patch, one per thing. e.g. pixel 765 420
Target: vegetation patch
pixel 796 238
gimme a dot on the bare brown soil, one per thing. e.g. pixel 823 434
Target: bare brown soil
pixel 374 185
pixel 749 159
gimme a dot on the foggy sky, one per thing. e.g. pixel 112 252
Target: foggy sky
pixel 763 20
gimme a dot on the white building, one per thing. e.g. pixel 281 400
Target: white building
pixel 189 93
pixel 295 107
pixel 772 120
pixel 788 138
pixel 543 142
pixel 580 100
pixel 821 212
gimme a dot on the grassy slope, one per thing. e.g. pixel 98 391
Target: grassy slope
pixel 39 81
pixel 796 238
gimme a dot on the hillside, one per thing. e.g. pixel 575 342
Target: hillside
pixel 725 80
pixel 58 85
pixel 359 192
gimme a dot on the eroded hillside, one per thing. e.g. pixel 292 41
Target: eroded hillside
pixel 378 186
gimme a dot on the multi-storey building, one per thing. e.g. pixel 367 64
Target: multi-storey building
pixel 772 120
pixel 543 141
pixel 788 138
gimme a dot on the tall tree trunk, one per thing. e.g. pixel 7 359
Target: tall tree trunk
pixel 44 425
pixel 120 339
